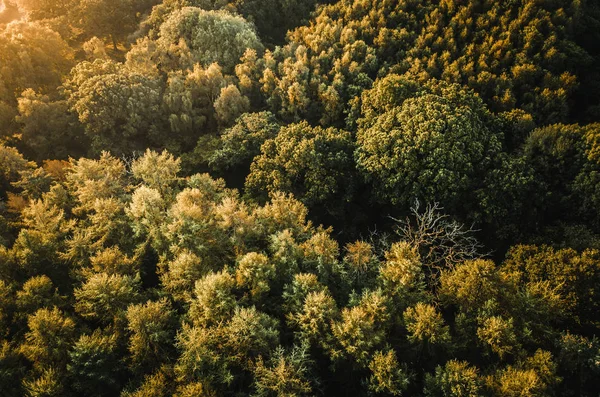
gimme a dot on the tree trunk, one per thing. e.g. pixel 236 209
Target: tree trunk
pixel 112 36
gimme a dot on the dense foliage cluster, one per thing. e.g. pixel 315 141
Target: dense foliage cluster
pixel 299 197
pixel 128 277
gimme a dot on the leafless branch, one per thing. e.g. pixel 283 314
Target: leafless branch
pixel 442 241
pixel 129 159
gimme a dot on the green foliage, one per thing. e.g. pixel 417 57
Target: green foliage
pixel 362 328
pixel 154 385
pixel 520 54
pixel 211 354
pixel 47 385
pixel 532 377
pixel 110 18
pixel 230 104
pixel 105 298
pixel 455 379
pixel 580 365
pixel 11 370
pixel 286 374
pixel 49 129
pixel 388 377
pixel 94 365
pixel 113 102
pixel 255 273
pixel 157 171
pixel 425 325
pixel 314 164
pixel 209 36
pixel 313 318
pixel 572 274
pixel 6 308
pixel 33 57
pixel 92 180
pixel 243 298
pixel 12 164
pixel 152 330
pixel 272 18
pixel 214 300
pixel 471 284
pixel 37 293
pixel 431 147
pixel 401 273
pixel 242 142
pixel 49 338
pixel 132 272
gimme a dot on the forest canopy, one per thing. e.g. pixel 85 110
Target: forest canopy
pixel 299 198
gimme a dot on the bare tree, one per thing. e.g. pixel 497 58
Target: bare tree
pixel 128 160
pixel 442 241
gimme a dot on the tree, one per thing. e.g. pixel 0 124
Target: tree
pixel 312 321
pixel 152 328
pixel 272 18
pixel 431 147
pixel 44 9
pixel 230 105
pixel 90 180
pixel 105 298
pixel 214 301
pixel 454 379
pixel 37 293
pixel 388 376
pixel 241 142
pixel 181 275
pixel 189 101
pixel 110 18
pixel 112 260
pixel 12 163
pixel 45 58
pixel 213 354
pixel 362 329
pixel 112 101
pixel 48 339
pixel 556 155
pixel 157 384
pixel 360 265
pixel 94 365
pixel 192 222
pixel 157 171
pixel 425 325
pixel 526 57
pixel 576 364
pixel 47 384
pixel 285 374
pixel 7 307
pixel 533 376
pixel 12 370
pixel 440 241
pixel 471 284
pixel 296 292
pixel 33 57
pixel 211 36
pixel 50 130
pixel 573 275
pixel 250 334
pixel 314 164
pixel 36 249
pixel 499 335
pixel 255 273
